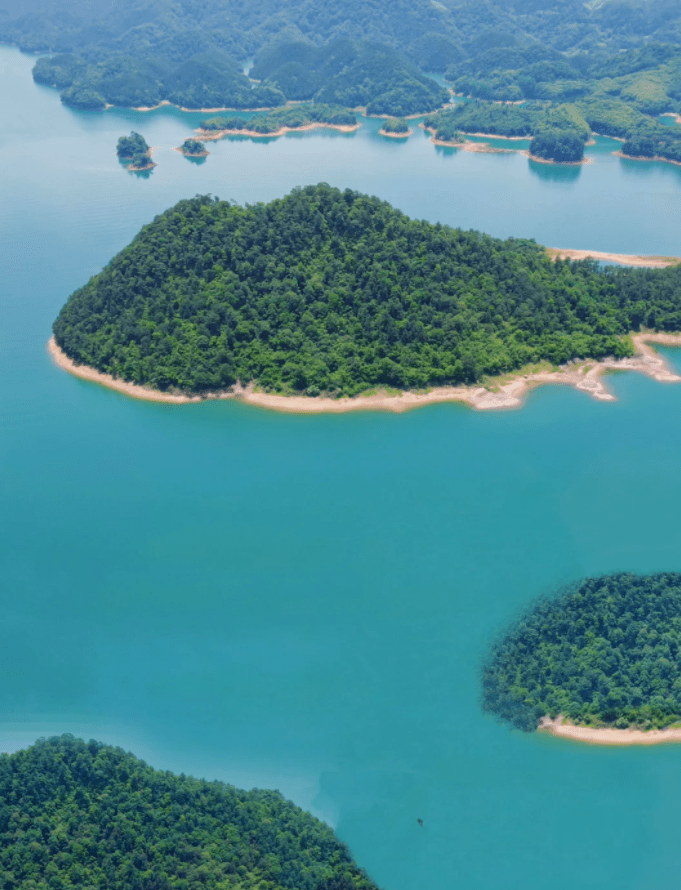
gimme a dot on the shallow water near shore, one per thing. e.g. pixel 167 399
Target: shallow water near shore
pixel 304 602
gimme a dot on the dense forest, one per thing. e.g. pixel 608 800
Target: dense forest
pixel 337 292
pixel 350 73
pixel 559 132
pixel 127 53
pixel 135 151
pixel 192 148
pixel 397 126
pixel 294 117
pixel 643 136
pixel 606 651
pixel 83 814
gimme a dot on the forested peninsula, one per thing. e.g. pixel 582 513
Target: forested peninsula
pixel 336 293
pixel 279 121
pixel 84 814
pixel 604 653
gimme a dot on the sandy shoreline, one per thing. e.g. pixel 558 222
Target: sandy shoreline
pixel 585 376
pixel 497 136
pixel 191 110
pixel 187 154
pixel 150 166
pixel 406 135
pixel 607 735
pixel 649 262
pixel 620 154
pixel 211 135
pixel 539 160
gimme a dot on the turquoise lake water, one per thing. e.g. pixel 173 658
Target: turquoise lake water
pixel 304 602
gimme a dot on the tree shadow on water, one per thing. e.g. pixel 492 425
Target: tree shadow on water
pixel 566 173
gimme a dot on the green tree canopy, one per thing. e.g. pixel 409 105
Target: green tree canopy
pixel 338 292
pixel 605 651
pixel 87 815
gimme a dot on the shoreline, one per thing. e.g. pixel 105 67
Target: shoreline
pixel 212 135
pixel 539 160
pixel 648 262
pixel 608 735
pixel 150 166
pixel 508 392
pixel 620 154
pixel 166 102
pixel 406 135
pixel 186 154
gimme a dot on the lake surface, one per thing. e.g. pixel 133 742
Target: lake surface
pixel 304 602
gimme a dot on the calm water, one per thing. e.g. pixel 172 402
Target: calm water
pixel 302 602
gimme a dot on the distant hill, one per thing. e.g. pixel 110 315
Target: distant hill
pixel 83 814
pixel 496 49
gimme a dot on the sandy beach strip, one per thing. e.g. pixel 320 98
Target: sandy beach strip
pixel 621 154
pixel 608 735
pixel 210 135
pixel 585 376
pixel 649 262
pixel 497 136
pixel 405 135
pixel 539 160
pixel 187 154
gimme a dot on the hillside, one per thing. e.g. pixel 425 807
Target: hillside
pixel 77 814
pixel 190 53
pixel 604 652
pixel 337 292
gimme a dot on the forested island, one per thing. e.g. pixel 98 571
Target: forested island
pixel 335 292
pixel 605 652
pixel 397 127
pixel 84 814
pixel 134 151
pixel 610 53
pixel 279 121
pixel 192 148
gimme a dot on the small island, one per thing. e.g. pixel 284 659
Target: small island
pixel 135 153
pixel 599 662
pixel 193 148
pixel 97 816
pixel 396 128
pixel 280 121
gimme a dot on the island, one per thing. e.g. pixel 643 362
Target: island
pixel 133 151
pixel 193 148
pixel 96 816
pixel 333 293
pixel 280 121
pixel 396 128
pixel 598 662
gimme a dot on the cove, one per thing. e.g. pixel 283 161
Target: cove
pixel 303 602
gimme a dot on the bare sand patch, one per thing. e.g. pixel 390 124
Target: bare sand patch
pixel 404 135
pixel 649 262
pixel 504 394
pixel 210 135
pixel 608 735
